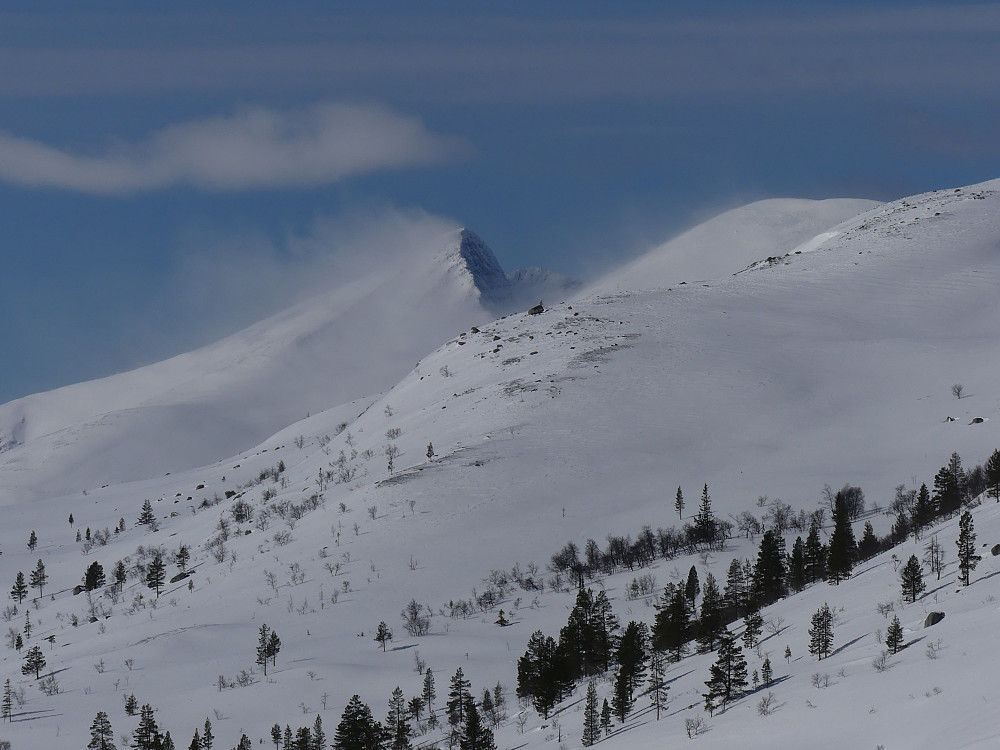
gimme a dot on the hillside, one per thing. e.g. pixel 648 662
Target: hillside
pixel 356 339
pixel 830 364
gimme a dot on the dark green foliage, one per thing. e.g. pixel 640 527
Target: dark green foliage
pixel 670 628
pixel 131 705
pixel 868 546
pixel 728 676
pixel 797 566
pixel 268 646
pixel 32 541
pixel 693 587
pixel 397 724
pixel 894 635
pixel 475 736
pixel 146 517
pixel 156 574
pixel 947 491
pixel 429 692
pixel 383 635
pixel 541 674
pixel 147 735
pixel 102 736
pixel 587 641
pixel 459 698
pixel 591 716
pixel 769 573
pixel 815 555
pixel 912 578
pixel 120 574
pixel 20 588
pixel 967 557
pixel 39 577
pixel 753 624
pixel 357 729
pixel 992 475
pixel 843 550
pixel 93 578
pixel 606 717
pixel 821 632
pixel 632 655
pixel 196 741
pixel 706 526
pixel 207 738
pixel 711 622
pixel 181 557
pixel 34 661
pixel 736 595
pixel 275 735
pixel 657 689
pixel 679 503
pixel 924 510
pixel 766 672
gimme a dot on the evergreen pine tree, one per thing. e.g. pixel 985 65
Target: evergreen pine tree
pixel 167 743
pixel 263 649
pixel 383 635
pixel 753 624
pixel 156 575
pixel 728 676
pixel 868 545
pixel 273 647
pixel 196 741
pixel 397 725
pixel 967 557
pixel 912 578
pixel 621 698
pixel 992 470
pixel 243 744
pixel 20 588
pixel 146 516
pixel 769 573
pixel 475 736
pixel 711 623
pixel 894 635
pixel 357 729
pixel 7 705
pixel 131 705
pixel 788 653
pixel 766 672
pixel 288 738
pixel 39 577
pixel 102 736
pixel 275 735
pixel 632 655
pixel 924 512
pixel 606 717
pixel 843 550
pixel 670 628
pixel 429 693
pixel 947 491
pixel 693 587
pixel 181 557
pixel 797 566
pixel 815 555
pixel 93 578
pixel 458 698
pixel 208 738
pixel 34 661
pixel 679 503
pixel 591 716
pixel 736 593
pixel 821 632
pixel 705 524
pixel 147 735
pixel 32 541
pixel 120 574
pixel 657 688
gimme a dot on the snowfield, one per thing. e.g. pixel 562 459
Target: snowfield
pixel 826 356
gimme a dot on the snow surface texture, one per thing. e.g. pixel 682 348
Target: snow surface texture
pixel 357 339
pixel 829 366
pixel 732 241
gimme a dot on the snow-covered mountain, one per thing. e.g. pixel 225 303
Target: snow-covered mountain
pixel 354 340
pixel 829 361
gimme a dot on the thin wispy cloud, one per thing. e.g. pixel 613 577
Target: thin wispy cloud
pixel 253 149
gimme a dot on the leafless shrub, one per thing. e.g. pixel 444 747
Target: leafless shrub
pixel 820 680
pixel 694 727
pixel 766 705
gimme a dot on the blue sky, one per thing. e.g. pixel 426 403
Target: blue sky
pixel 169 174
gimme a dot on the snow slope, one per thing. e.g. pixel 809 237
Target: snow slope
pixel 832 365
pixel 731 241
pixel 356 339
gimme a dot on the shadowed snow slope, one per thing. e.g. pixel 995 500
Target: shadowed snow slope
pixel 829 366
pixel 731 241
pixel 357 339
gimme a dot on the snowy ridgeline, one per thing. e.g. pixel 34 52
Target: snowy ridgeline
pixel 441 502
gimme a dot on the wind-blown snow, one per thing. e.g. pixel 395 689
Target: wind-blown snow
pixel 829 366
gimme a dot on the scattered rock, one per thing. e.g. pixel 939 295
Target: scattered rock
pixel 933 618
pixel 977 420
pixel 996 550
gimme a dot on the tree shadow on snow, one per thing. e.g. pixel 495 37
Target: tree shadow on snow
pixel 847 645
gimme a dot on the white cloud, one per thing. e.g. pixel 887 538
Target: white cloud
pixel 255 148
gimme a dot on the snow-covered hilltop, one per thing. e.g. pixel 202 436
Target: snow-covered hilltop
pixel 831 360
pixel 354 340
